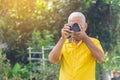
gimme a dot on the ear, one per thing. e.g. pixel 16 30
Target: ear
pixel 86 26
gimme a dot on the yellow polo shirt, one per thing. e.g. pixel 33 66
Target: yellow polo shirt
pixel 77 62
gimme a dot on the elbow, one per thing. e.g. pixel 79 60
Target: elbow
pixel 101 60
pixel 51 60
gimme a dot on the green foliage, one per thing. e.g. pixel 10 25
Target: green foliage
pixel 44 72
pixel 18 20
pixel 38 23
pixel 4 66
pixel 52 71
pixel 7 72
pixel 112 59
pixel 39 39
pixel 34 70
pixel 18 72
pixel 99 21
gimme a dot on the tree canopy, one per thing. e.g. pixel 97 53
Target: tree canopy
pixel 20 19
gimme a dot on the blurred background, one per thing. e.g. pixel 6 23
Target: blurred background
pixel 30 28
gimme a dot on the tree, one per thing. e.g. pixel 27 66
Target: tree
pixel 20 19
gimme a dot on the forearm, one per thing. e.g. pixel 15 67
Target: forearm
pixel 55 53
pixel 96 52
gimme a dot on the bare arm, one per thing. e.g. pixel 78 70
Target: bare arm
pixel 55 53
pixel 96 52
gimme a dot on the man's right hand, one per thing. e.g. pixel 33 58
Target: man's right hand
pixel 54 55
pixel 66 32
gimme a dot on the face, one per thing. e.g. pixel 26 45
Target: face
pixel 79 22
pixel 116 75
pixel 75 20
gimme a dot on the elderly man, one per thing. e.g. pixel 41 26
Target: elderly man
pixel 76 50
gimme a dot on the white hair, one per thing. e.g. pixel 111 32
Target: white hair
pixel 77 14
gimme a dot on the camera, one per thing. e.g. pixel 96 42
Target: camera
pixel 75 27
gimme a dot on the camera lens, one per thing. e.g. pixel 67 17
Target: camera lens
pixel 75 27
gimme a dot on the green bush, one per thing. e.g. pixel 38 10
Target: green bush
pixel 4 66
pixel 39 39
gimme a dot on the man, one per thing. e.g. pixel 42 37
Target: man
pixel 78 55
pixel 115 75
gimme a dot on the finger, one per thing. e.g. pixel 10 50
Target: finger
pixel 66 34
pixel 82 28
pixel 67 29
pixel 66 26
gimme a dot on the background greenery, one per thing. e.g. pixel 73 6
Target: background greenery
pixel 37 23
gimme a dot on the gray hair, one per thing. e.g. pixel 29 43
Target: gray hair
pixel 77 14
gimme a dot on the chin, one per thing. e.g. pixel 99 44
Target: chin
pixel 76 38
